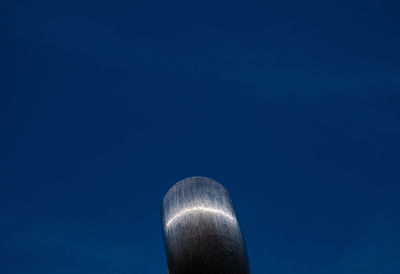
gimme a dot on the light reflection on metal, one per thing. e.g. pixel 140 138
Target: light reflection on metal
pixel 201 232
pixel 199 209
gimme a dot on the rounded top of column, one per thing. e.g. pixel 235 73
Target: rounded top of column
pixel 196 196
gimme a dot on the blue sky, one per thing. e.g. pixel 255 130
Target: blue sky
pixel 293 106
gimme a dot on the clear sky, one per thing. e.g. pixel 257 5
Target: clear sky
pixel 294 106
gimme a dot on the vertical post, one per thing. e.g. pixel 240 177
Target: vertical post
pixel 201 231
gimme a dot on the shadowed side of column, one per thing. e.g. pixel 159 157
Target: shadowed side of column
pixel 201 231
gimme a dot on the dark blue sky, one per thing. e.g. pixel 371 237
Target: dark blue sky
pixel 294 106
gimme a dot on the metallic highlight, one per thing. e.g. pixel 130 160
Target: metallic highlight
pixel 199 209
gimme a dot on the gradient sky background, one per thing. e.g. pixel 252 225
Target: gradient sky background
pixel 294 106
